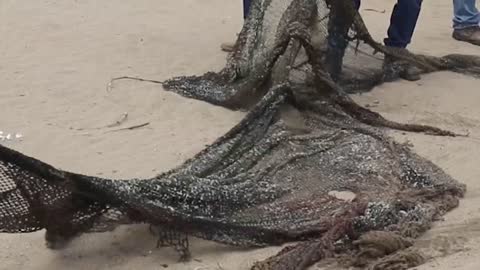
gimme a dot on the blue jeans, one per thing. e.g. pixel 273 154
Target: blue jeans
pixel 465 14
pixel 246 8
pixel 402 22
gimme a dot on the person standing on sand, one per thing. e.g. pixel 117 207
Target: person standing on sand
pixel 466 21
pixel 228 47
pixel 402 26
pixel 403 21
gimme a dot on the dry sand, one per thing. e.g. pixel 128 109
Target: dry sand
pixel 56 58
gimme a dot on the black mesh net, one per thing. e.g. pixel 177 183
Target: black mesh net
pixel 305 164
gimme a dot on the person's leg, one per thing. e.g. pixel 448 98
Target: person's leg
pixel 402 23
pixel 337 41
pixel 465 14
pixel 357 4
pixel 466 21
pixel 246 8
pixel 228 47
pixel 402 26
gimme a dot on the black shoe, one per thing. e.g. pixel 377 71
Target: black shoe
pixel 334 62
pixel 469 34
pixel 394 68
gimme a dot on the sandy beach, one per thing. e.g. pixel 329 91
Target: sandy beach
pixel 57 57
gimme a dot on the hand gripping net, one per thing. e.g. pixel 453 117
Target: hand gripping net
pixel 273 177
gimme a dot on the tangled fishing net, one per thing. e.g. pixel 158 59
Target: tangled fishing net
pixel 274 177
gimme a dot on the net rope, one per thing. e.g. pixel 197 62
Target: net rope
pixel 273 177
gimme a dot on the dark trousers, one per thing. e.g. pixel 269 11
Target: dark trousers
pixel 402 25
pixel 402 22
pixel 246 8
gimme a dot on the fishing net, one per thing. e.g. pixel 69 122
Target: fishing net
pixel 305 165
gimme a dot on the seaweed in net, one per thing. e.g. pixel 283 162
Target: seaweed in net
pixel 272 178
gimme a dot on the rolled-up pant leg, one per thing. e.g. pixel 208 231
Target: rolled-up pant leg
pixel 465 14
